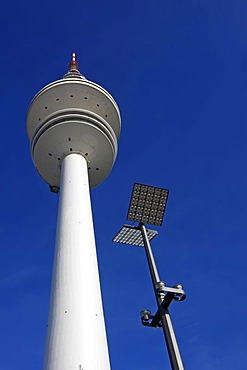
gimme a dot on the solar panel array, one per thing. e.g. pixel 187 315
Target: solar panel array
pixel 132 235
pixel 147 204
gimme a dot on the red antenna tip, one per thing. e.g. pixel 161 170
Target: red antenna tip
pixel 73 66
pixel 73 69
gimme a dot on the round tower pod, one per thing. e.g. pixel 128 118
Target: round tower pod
pixel 73 115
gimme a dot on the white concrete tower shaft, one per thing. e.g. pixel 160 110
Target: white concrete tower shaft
pixel 73 125
pixel 76 337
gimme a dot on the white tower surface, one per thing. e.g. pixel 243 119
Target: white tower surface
pixel 73 125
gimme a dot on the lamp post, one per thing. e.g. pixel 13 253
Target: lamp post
pixel 148 205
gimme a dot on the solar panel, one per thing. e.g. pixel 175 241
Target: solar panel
pixel 147 204
pixel 132 235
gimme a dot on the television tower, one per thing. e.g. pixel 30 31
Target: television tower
pixel 73 125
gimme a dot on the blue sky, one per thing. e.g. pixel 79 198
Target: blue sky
pixel 178 71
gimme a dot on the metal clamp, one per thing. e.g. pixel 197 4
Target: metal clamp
pixel 167 295
pixel 150 320
pixel 177 291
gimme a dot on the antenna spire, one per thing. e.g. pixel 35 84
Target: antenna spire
pixel 73 69
pixel 73 66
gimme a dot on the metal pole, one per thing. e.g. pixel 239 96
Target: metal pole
pixel 170 338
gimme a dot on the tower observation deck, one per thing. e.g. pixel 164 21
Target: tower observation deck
pixel 73 125
pixel 73 115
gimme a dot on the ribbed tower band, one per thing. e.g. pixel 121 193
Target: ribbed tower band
pixel 76 336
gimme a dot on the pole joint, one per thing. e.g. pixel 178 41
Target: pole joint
pixel 166 296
